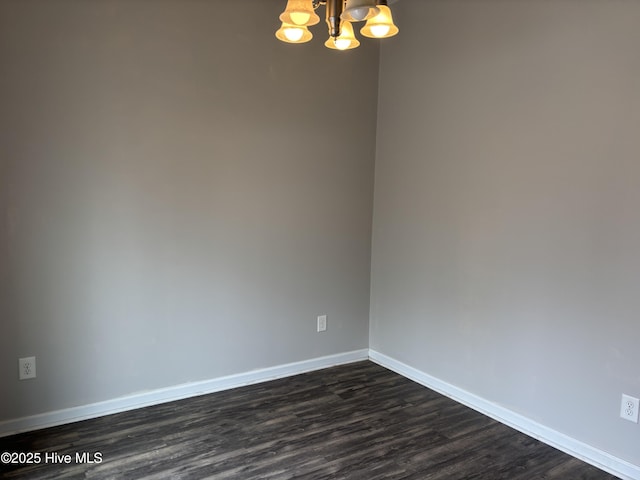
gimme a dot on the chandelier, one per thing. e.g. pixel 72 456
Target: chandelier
pixel 300 14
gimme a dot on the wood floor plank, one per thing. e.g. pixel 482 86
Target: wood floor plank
pixel 357 421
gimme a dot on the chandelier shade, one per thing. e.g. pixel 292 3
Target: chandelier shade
pixel 290 33
pixel 380 26
pixel 299 12
pixel 345 41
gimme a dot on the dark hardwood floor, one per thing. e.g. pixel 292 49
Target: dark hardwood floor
pixel 357 421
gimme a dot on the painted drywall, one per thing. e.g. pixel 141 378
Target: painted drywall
pixel 180 196
pixel 506 237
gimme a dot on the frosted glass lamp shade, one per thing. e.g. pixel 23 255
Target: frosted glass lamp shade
pixel 293 33
pixel 345 41
pixel 299 12
pixel 359 10
pixel 380 26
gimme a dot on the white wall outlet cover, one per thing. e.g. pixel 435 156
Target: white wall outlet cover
pixel 629 408
pixel 26 368
pixel 322 323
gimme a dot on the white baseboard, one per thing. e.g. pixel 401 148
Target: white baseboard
pixel 573 447
pixel 177 392
pixel 589 454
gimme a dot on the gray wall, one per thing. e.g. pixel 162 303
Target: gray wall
pixel 506 246
pixel 179 194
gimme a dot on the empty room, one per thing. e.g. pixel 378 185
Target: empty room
pixel 337 239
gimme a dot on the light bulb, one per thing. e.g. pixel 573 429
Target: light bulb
pixel 359 10
pixel 379 30
pixel 342 43
pixel 359 14
pixel 293 34
pixel 300 18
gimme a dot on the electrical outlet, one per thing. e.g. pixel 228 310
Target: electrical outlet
pixel 629 408
pixel 322 323
pixel 27 368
